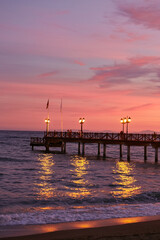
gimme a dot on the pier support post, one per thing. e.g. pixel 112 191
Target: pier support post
pixel 79 148
pixel 99 145
pixel 145 153
pixel 156 154
pixel 120 148
pixel 128 153
pixel 104 150
pixel 64 147
pixel 47 148
pixel 83 149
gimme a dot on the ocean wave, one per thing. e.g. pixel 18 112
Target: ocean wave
pixel 5 159
pixel 79 214
pixel 65 201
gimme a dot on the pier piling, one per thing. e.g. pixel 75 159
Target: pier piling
pixel 145 153
pixel 128 153
pixel 64 147
pixel 99 145
pixel 79 148
pixel 120 151
pixel 156 154
pixel 83 149
pixel 104 150
pixel 47 148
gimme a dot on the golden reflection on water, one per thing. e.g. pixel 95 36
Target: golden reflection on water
pixel 125 182
pixel 80 170
pixel 43 187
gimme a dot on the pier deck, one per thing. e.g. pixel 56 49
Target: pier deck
pixel 59 139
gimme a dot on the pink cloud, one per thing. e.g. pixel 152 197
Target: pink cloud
pixel 146 14
pixel 141 61
pixel 48 74
pixel 128 35
pixel 139 107
pixel 79 63
pixel 127 72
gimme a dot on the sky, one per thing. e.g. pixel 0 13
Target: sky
pixel 101 57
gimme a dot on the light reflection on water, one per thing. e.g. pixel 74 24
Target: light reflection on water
pixel 79 171
pixel 73 187
pixel 43 187
pixel 125 182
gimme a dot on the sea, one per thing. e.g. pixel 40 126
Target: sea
pixel 40 188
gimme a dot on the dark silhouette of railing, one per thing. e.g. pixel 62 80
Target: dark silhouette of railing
pixel 132 137
pixel 37 140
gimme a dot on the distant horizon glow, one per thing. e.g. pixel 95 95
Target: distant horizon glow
pixel 101 57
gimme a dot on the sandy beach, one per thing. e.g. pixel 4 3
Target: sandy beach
pixel 120 228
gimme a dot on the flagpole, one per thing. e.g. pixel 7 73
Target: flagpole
pixel 61 116
pixel 47 120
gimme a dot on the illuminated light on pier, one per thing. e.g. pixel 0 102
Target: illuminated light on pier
pixel 128 120
pixel 81 121
pixel 125 120
pixel 122 122
pixel 47 121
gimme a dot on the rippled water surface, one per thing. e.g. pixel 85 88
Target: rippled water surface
pixel 38 187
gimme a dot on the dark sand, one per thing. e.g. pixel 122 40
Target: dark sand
pixel 144 228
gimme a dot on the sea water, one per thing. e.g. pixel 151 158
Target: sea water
pixel 38 187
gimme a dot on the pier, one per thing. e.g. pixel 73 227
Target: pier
pixel 60 139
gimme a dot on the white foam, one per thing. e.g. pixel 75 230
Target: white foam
pixel 76 214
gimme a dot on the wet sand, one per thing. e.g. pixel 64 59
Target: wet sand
pixel 144 228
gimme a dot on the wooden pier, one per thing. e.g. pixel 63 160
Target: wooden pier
pixel 60 139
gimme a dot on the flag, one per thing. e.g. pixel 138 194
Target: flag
pixel 47 106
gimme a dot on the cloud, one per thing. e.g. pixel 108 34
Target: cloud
pixel 48 74
pixel 126 73
pixel 79 62
pixel 146 14
pixel 128 36
pixel 139 107
pixel 141 61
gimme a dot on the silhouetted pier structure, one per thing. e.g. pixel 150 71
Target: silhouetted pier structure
pixel 60 139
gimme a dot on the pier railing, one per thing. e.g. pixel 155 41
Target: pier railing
pixel 105 136
pixel 37 140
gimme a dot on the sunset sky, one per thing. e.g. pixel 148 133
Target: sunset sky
pixel 102 57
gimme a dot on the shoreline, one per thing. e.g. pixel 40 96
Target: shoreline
pixel 116 228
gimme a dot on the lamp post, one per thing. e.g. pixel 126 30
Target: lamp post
pixel 128 120
pixel 81 121
pixel 47 121
pixel 125 120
